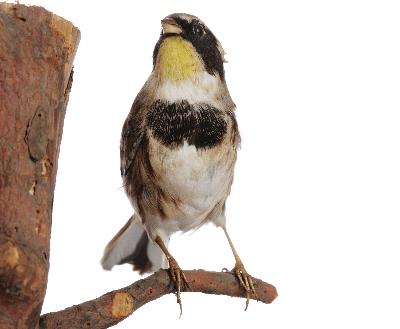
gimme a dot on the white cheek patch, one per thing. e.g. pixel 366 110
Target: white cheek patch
pixel 202 88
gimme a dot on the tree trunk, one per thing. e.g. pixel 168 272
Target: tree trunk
pixel 36 54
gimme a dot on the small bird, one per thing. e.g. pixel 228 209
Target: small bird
pixel 178 151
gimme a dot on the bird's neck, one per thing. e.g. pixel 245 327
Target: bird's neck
pixel 177 60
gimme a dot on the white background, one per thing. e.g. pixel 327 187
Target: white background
pixel 314 208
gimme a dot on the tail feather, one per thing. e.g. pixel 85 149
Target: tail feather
pixel 139 258
pixel 132 245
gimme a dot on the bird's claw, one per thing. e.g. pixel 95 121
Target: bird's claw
pixel 246 281
pixel 179 279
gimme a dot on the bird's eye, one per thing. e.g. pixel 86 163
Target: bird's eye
pixel 197 30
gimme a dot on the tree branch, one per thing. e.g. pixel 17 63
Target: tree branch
pixel 115 306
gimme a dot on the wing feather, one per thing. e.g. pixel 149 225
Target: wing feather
pixel 132 135
pixel 133 130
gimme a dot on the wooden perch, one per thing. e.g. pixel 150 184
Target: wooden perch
pixel 115 306
pixel 37 49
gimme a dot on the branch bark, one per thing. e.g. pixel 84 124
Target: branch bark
pixel 36 54
pixel 117 305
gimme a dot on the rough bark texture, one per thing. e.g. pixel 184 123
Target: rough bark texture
pixel 115 306
pixel 36 53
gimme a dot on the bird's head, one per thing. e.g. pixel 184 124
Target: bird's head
pixel 186 47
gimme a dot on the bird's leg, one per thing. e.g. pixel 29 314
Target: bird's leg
pixel 244 278
pixel 176 273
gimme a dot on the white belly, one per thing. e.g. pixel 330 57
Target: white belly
pixel 198 179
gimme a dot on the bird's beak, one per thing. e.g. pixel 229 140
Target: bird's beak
pixel 170 26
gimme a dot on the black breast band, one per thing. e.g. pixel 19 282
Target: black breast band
pixel 201 125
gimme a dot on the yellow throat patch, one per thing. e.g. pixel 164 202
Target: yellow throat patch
pixel 177 59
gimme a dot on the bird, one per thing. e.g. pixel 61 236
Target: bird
pixel 178 151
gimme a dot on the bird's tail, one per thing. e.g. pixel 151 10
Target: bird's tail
pixel 132 245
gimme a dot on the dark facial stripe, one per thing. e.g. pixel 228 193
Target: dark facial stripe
pixel 201 125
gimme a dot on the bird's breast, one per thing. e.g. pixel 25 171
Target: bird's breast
pixel 173 123
pixel 192 154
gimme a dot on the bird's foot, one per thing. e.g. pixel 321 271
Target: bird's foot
pixel 245 281
pixel 179 279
